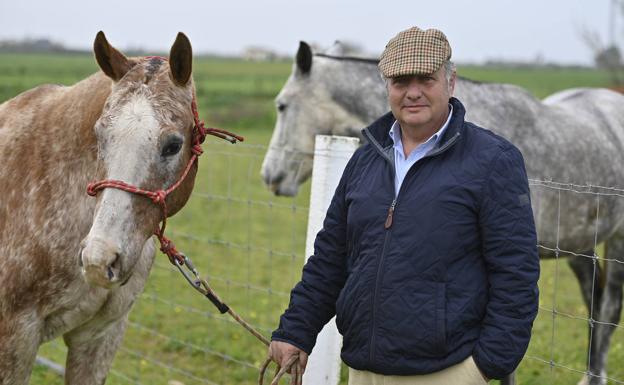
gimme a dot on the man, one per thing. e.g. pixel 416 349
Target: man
pixel 428 254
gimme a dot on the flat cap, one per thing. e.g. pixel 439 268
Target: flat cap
pixel 414 52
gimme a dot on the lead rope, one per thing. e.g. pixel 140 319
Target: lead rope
pixel 202 286
pixel 179 259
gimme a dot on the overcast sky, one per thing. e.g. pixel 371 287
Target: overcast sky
pixel 477 30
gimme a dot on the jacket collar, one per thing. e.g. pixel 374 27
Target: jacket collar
pixel 378 130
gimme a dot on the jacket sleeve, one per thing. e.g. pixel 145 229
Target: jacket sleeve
pixel 509 245
pixel 313 299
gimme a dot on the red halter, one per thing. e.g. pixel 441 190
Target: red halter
pixel 159 197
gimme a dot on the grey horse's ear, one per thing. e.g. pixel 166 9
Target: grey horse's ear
pixel 304 57
pixel 114 64
pixel 181 60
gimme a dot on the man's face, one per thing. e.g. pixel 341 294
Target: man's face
pixel 421 101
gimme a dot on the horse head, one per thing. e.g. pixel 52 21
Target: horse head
pixel 321 97
pixel 288 161
pixel 144 138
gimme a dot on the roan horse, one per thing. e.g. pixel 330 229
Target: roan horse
pixel 575 136
pixel 71 265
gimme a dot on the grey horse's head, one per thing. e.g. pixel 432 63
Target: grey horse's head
pixel 319 98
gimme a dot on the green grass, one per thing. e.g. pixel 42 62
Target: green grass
pixel 250 244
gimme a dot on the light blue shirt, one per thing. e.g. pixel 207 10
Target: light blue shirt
pixel 402 164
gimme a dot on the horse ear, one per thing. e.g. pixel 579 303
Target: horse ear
pixel 181 60
pixel 112 62
pixel 304 57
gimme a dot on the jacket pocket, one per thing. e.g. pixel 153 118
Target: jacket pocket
pixel 344 303
pixel 412 321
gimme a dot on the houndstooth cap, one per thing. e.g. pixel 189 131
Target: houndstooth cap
pixel 415 52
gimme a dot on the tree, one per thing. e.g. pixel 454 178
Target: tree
pixel 607 56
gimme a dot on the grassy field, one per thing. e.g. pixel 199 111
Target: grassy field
pixel 250 244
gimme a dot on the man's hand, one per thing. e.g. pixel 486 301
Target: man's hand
pixel 282 352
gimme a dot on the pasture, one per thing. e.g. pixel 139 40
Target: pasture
pixel 250 244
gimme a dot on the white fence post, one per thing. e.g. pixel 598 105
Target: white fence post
pixel 331 154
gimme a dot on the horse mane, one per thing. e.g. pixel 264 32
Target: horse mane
pixel 376 62
pixel 349 58
pixel 468 80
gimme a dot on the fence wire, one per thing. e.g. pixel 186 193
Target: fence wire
pixel 249 245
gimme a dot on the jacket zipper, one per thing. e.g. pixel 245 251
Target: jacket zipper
pixel 378 286
pixel 388 223
pixel 388 226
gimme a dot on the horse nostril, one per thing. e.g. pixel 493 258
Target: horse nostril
pixel 80 251
pixel 117 260
pixel 278 178
pixel 113 267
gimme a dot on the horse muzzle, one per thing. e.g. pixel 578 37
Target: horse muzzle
pixel 101 262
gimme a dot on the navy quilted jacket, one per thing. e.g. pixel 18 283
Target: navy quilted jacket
pixel 447 270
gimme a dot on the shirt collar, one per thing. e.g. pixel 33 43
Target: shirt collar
pixel 395 131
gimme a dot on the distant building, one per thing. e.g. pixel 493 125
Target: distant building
pixel 254 53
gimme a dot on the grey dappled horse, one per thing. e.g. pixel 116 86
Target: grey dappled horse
pixel 574 136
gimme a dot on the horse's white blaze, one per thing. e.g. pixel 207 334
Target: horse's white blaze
pixel 133 132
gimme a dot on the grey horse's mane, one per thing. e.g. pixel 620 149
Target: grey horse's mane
pixel 376 62
pixel 349 58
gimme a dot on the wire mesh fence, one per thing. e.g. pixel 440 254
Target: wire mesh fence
pixel 250 246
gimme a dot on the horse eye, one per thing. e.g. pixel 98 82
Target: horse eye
pixel 281 107
pixel 172 147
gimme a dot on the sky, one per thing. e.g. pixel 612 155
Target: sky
pixel 477 30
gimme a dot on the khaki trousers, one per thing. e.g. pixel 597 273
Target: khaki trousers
pixel 464 373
